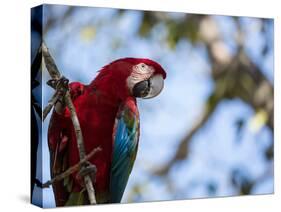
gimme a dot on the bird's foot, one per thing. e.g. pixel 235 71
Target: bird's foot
pixel 61 87
pixel 88 169
pixel 58 84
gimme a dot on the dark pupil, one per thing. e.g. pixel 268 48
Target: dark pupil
pixel 142 65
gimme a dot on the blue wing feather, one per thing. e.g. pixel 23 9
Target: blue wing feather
pixel 124 151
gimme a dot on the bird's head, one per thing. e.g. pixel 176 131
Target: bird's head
pixel 137 77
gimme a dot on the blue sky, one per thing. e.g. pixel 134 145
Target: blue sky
pixel 92 37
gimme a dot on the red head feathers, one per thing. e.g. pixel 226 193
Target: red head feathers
pixel 138 77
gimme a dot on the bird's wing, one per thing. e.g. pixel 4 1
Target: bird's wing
pixel 125 145
pixel 59 134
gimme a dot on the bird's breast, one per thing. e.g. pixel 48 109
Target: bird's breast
pixel 97 121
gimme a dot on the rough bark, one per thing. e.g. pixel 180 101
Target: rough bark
pixel 72 169
pixel 55 74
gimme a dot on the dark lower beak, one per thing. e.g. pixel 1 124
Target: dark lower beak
pixel 141 89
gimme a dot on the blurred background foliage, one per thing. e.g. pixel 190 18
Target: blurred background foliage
pixel 210 133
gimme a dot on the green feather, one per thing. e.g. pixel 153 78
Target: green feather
pixel 124 151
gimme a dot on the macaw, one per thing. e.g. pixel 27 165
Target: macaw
pixel 109 118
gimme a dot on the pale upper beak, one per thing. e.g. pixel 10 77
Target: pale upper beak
pixel 149 88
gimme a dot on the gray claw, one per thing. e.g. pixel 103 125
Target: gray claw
pixel 88 169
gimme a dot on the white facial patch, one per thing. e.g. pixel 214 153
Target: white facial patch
pixel 140 73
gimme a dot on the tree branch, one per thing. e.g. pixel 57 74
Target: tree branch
pixel 50 105
pixel 229 73
pixel 55 74
pixel 72 169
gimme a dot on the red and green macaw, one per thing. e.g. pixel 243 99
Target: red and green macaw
pixel 109 118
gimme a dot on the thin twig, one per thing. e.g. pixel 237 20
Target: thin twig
pixel 50 105
pixel 50 63
pixel 72 169
pixel 55 74
pixel 80 144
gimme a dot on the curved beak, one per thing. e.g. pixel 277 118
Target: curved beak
pixel 149 88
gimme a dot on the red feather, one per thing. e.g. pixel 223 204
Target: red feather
pixel 96 106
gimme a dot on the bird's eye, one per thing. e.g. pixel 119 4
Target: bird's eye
pixel 142 65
